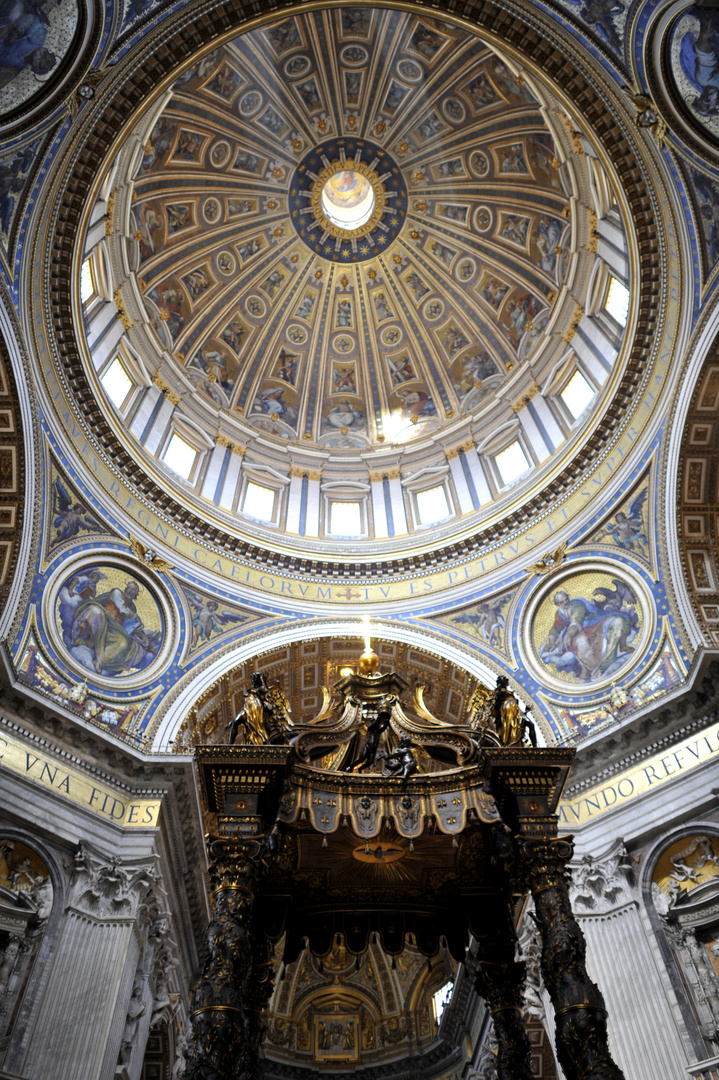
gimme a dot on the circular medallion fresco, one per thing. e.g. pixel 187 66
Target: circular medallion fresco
pixel 694 58
pixel 110 623
pixel 587 627
pixel 34 40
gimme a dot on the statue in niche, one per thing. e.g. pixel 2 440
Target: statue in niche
pixel 9 960
pixel 265 715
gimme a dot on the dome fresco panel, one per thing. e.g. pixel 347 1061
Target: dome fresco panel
pixel 449 309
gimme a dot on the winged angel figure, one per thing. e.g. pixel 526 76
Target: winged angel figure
pixel 70 516
pixel 208 619
pixel 628 530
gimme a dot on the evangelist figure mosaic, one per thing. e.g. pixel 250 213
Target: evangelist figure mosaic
pixel 35 37
pixel 109 621
pixel 694 52
pixel 587 627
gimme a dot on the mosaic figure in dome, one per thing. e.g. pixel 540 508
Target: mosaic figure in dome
pixel 430 127
pixel 285 36
pixel 113 632
pixel 453 340
pixel 247 162
pixel 442 252
pixel 472 370
pixel 591 633
pixel 343 316
pixel 148 222
pixel 401 369
pixel 219 368
pixel 515 91
pixel 454 167
pixel 395 96
pixel 546 238
pixel 309 94
pixel 518 316
pixel 453 212
pixel 171 301
pixel 236 207
pixel 272 121
pixel 381 306
pixel 234 334
pixel 225 82
pixel 179 216
pixel 272 402
pixel 494 291
pixel 344 379
pixel 426 42
pixel 273 282
pixel 416 403
pixel 200 70
pixel 542 156
pixel 344 415
pixel 189 145
pixel 306 306
pixel 418 287
pixel 248 248
pixel 355 22
pixel 196 282
pixel 513 159
pixel 286 368
pixel 514 229
pixel 481 91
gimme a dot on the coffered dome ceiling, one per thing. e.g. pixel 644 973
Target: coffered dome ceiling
pixel 356 243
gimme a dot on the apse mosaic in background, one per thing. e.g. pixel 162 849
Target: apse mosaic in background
pixel 310 335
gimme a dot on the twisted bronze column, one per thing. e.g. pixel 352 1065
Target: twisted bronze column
pixel 581 1018
pixel 501 983
pixel 222 1044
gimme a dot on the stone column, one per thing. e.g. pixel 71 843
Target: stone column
pixel 222 1044
pixel 500 981
pixel 642 1027
pixel 79 1027
pixel 580 1016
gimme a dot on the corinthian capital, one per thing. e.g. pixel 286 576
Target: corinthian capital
pixel 110 888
